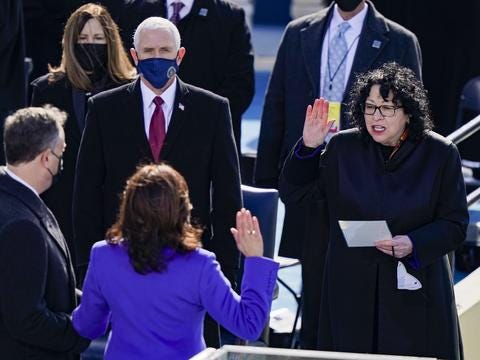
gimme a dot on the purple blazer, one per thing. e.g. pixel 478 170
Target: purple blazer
pixel 160 315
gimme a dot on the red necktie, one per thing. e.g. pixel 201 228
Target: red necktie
pixel 156 132
pixel 177 6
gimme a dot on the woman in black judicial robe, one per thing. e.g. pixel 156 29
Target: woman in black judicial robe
pixel 396 297
pixel 93 60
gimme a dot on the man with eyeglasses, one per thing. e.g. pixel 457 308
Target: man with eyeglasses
pixel 36 274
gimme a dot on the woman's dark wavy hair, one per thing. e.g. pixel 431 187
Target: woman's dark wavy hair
pixel 407 91
pixel 154 215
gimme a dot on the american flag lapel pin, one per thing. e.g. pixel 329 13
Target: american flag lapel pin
pixel 181 106
pixel 376 44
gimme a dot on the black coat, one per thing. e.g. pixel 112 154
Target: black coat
pixel 219 53
pixel 294 84
pixel 199 144
pixel 44 24
pixel 36 276
pixel 12 68
pixel 59 196
pixel 420 193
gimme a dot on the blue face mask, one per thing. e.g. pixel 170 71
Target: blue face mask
pixel 157 71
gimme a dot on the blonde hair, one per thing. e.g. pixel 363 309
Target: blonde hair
pixel 119 68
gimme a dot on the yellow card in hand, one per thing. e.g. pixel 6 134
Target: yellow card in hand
pixel 334 114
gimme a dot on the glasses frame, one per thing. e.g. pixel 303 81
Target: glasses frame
pixel 59 157
pixel 379 108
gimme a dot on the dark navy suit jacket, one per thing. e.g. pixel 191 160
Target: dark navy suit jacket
pixel 36 278
pixel 199 144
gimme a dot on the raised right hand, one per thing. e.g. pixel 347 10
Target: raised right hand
pixel 247 234
pixel 316 125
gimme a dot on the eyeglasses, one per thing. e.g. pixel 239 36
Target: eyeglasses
pixel 60 159
pixel 385 110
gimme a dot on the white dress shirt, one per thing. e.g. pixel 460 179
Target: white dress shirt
pixel 351 36
pixel 20 180
pixel 168 97
pixel 183 12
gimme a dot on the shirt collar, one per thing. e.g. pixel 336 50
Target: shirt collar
pixel 355 22
pixel 20 180
pixel 168 96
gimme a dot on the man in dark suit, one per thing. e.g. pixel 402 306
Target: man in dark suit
pixel 303 71
pixel 220 55
pixel 36 273
pixel 159 118
pixel 12 66
pixel 44 24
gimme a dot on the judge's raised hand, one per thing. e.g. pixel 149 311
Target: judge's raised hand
pixel 316 125
pixel 247 234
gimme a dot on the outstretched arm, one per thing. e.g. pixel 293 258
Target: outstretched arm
pixel 244 315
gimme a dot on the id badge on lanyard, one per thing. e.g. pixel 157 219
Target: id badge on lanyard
pixel 334 114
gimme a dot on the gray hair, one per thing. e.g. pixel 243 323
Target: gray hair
pixel 153 23
pixel 30 131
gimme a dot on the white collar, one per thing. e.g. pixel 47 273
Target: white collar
pixel 20 180
pixel 355 22
pixel 168 96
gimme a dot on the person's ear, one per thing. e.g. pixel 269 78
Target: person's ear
pixel 45 157
pixel 180 55
pixel 134 55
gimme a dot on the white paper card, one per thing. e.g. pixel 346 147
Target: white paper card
pixel 364 233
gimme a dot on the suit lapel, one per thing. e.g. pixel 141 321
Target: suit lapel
pixel 37 208
pixel 372 41
pixel 133 111
pixel 311 39
pixel 181 107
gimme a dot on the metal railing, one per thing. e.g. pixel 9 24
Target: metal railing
pixel 462 133
pixel 473 197
pixel 465 131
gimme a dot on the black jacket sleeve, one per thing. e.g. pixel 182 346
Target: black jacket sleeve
pixel 238 79
pixel 447 230
pixel 226 194
pixel 267 167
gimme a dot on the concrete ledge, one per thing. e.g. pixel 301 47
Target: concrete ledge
pixel 467 295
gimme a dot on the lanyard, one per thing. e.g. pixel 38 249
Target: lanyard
pixel 330 76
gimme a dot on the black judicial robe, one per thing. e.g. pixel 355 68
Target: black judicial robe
pixel 420 193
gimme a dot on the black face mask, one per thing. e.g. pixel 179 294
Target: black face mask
pixel 58 174
pixel 92 57
pixel 348 5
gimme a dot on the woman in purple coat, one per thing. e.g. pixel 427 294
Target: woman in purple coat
pixel 151 281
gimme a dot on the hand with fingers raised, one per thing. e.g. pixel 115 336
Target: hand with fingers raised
pixel 247 234
pixel 316 125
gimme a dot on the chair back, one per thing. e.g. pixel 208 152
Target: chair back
pixel 263 203
pixel 468 108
